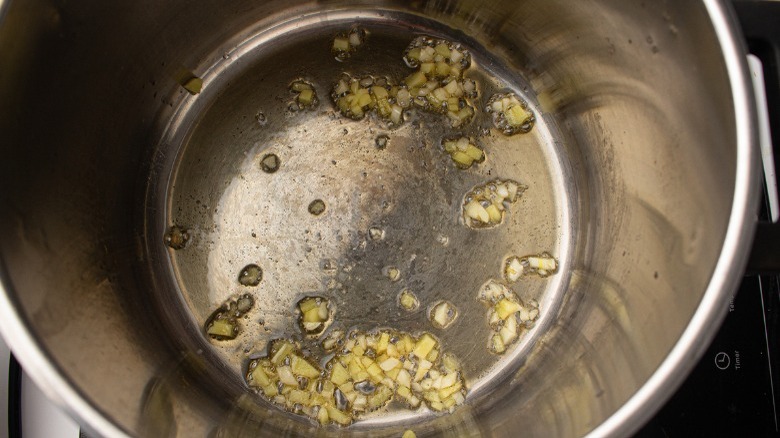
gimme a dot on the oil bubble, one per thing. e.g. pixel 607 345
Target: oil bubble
pixel 381 141
pixel 270 163
pixel 408 300
pixel 317 207
pixel 391 272
pixel 251 275
pixel 177 237
pixel 261 118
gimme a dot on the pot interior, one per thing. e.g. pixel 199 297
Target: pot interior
pixel 628 173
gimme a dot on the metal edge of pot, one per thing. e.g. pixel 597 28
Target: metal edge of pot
pixel 3 9
pixel 35 363
pixel 46 376
pixel 731 264
pixel 669 375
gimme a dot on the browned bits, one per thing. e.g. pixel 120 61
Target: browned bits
pixel 177 237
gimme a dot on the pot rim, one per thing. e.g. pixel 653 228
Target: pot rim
pixel 729 269
pixel 642 404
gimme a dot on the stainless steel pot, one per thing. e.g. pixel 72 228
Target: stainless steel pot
pixel 639 171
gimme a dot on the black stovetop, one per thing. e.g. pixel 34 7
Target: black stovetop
pixel 732 390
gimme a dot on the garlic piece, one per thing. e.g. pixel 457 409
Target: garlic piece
pixel 408 300
pixel 344 44
pixel 485 205
pixel 506 315
pixel 305 95
pixel 463 151
pixel 368 372
pixel 511 114
pixel 542 265
pixel 443 314
pixel 513 269
pixel 391 272
pixel 314 314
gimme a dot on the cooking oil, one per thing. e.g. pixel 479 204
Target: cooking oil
pixel 408 201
